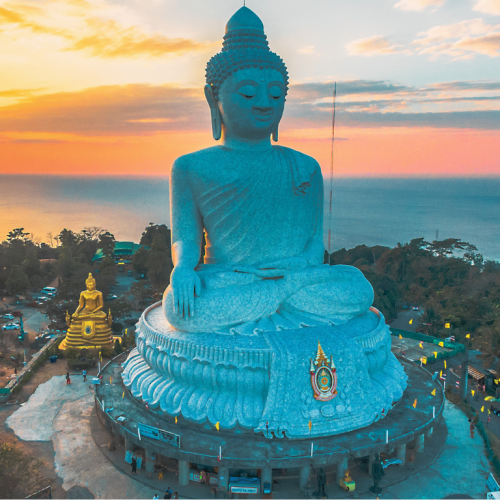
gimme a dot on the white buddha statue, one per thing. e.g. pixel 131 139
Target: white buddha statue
pixel 261 207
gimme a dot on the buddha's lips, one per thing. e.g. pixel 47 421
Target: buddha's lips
pixel 263 116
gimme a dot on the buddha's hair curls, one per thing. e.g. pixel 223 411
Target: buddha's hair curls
pixel 241 50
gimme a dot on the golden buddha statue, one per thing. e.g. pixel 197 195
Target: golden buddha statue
pixel 89 326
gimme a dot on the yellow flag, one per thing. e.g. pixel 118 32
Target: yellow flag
pixel 123 395
pixel 415 404
pixel 217 426
pixel 445 364
pixel 482 408
pixel 411 321
pixel 472 392
pixel 496 381
pixel 400 336
pixel 435 354
pixel 489 412
pixel 175 419
pixel 424 360
pixel 447 325
pixel 421 345
pixel 310 425
pixel 441 344
pixel 110 380
pixel 433 392
pixel 441 374
pixel 467 336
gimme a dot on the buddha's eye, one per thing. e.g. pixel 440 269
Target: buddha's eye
pixel 275 92
pixel 247 91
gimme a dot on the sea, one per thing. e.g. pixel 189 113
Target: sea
pixel 370 211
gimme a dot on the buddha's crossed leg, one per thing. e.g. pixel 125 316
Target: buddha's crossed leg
pixel 231 298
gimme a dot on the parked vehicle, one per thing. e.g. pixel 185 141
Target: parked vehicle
pixel 111 297
pixel 10 326
pixel 450 339
pixel 8 316
pixel 49 289
pixel 415 308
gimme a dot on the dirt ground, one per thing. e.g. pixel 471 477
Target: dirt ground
pixel 43 451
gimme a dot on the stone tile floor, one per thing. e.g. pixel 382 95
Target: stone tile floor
pixel 63 414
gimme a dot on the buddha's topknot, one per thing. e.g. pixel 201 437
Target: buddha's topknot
pixel 245 46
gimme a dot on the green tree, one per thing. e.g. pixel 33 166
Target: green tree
pixel 140 260
pixel 17 282
pixel 31 265
pixel 107 243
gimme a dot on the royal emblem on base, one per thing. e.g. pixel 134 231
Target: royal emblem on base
pixel 88 329
pixel 323 376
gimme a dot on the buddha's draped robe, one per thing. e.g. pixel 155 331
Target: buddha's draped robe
pixel 272 211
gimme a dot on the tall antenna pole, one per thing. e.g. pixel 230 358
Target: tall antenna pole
pixel 331 174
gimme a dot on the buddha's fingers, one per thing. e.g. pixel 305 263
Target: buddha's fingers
pixel 185 301
pixel 175 294
pixel 191 287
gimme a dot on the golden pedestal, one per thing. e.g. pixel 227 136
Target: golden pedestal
pixel 88 332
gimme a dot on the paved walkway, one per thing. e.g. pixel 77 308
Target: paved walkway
pixel 62 414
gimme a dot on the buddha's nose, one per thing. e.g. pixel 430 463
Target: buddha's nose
pixel 262 103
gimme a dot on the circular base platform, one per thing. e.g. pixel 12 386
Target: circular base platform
pixel 414 414
pixel 302 382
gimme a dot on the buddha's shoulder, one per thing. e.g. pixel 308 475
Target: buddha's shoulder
pixel 196 160
pixel 303 161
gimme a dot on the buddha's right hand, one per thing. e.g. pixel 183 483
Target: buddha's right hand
pixel 185 284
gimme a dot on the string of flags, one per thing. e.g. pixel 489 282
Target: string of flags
pixel 217 426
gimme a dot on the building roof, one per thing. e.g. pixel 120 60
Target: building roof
pixel 122 249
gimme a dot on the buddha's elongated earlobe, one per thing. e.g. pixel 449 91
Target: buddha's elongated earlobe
pixel 214 112
pixel 275 134
pixel 216 124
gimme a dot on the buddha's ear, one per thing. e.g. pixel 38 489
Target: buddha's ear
pixel 214 112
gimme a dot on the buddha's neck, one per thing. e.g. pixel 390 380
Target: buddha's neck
pixel 247 145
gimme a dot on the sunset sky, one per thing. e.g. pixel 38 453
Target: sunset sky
pixel 108 87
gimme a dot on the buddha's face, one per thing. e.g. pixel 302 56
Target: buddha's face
pixel 90 286
pixel 251 102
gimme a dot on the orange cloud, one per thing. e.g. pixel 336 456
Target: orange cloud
pixel 16 93
pixel 488 7
pixel 109 39
pixel 460 40
pixel 418 5
pixel 89 33
pixel 109 110
pixel 376 45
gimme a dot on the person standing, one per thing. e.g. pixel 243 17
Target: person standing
pixel 168 493
pixel 156 497
pixel 411 459
pixel 134 464
pixel 471 427
pixel 85 375
pixel 176 495
pixel 68 380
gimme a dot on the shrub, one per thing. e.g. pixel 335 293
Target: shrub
pixel 106 352
pixel 72 353
pixel 118 347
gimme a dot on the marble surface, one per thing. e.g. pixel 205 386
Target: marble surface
pixel 262 383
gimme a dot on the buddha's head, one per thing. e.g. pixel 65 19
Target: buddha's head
pixel 90 282
pixel 246 82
